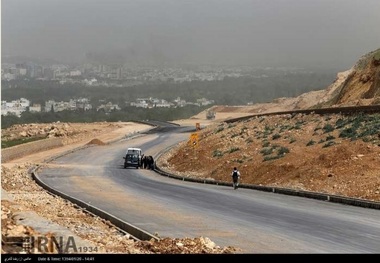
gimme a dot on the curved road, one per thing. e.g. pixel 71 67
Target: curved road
pixel 255 221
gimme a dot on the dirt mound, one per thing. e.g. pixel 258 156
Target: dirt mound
pixel 56 129
pixel 96 142
pixel 199 245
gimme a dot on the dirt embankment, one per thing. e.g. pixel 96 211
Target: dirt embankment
pixel 333 154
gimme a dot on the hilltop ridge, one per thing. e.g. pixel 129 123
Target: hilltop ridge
pixel 357 86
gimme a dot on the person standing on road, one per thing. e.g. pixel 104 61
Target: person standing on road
pixel 235 178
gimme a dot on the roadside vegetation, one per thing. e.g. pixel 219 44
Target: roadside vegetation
pixel 7 143
pixel 276 139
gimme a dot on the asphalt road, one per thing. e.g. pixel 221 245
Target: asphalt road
pixel 254 221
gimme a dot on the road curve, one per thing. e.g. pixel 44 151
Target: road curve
pixel 254 221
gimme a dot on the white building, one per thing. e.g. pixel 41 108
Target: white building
pixel 83 104
pixel 108 107
pixel 162 104
pixel 35 108
pixel 8 76
pixel 204 102
pixel 75 73
pixel 179 102
pixel 15 107
pixel 142 103
pixel 22 71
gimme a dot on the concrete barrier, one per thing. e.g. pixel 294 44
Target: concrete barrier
pixel 278 190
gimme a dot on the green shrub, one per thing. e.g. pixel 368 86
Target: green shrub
pixel 282 151
pixel 284 128
pixel 267 130
pixel 311 142
pixel 276 136
pixel 219 129
pixel 370 130
pixel 217 153
pixel 328 144
pixel 272 157
pixel 249 140
pixel 340 123
pixel 266 151
pixel 328 128
pixel 234 149
pixel 6 144
pixel 366 139
pixel 349 132
pixel 234 135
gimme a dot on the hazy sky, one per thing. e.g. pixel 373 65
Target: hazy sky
pixel 324 33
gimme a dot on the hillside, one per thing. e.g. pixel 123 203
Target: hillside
pixel 362 84
pixel 334 154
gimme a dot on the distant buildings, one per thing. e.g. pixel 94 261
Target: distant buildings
pixel 35 108
pixel 17 107
pixel 151 103
pixel 107 76
pixel 109 107
pixel 116 73
pixel 77 104
pixel 14 107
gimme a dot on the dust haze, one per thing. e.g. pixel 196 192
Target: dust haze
pixel 291 33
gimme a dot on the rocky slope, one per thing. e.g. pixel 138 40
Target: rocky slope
pixel 361 85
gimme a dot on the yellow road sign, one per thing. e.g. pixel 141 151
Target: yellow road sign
pixel 194 139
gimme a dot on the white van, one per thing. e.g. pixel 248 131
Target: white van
pixel 132 157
